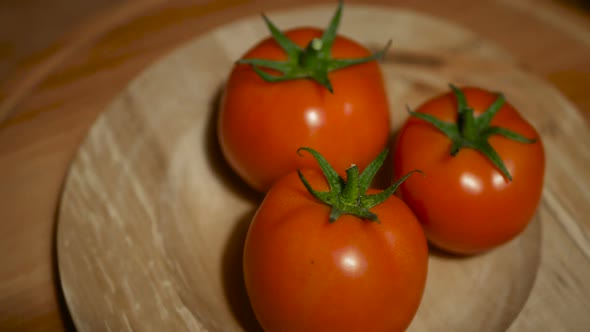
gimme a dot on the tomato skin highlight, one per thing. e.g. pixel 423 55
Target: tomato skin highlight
pixel 261 125
pixel 303 273
pixel 464 203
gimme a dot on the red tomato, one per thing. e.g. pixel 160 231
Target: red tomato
pixel 303 273
pixel 464 202
pixel 261 124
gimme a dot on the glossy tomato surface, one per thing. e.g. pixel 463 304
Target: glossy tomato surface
pixel 261 125
pixel 464 202
pixel 303 273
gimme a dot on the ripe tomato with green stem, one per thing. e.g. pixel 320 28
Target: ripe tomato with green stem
pixel 328 254
pixel 484 167
pixel 304 87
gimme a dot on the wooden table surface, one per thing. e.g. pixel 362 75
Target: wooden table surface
pixel 61 64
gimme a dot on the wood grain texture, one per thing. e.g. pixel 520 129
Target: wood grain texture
pixel 152 219
pixel 51 118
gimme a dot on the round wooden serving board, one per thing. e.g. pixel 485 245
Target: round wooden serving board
pixel 152 220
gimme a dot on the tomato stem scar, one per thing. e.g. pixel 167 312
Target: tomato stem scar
pixel 314 62
pixel 350 196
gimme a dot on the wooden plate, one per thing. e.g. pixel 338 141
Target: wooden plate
pixel 152 220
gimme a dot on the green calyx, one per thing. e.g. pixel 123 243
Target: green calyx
pixel 350 196
pixel 473 132
pixel 314 62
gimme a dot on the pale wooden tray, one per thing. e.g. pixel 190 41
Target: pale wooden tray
pixel 152 220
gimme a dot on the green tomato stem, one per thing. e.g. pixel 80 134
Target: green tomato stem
pixel 474 132
pixel 350 196
pixel 314 62
pixel 351 191
pixel 467 125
